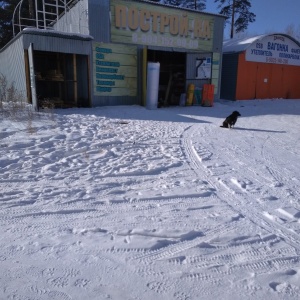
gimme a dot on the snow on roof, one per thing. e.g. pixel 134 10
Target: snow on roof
pixel 241 44
pixel 52 32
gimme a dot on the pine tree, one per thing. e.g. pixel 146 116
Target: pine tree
pixel 238 11
pixel 5 23
pixel 7 8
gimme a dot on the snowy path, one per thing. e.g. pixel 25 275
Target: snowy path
pixel 127 203
pixel 240 184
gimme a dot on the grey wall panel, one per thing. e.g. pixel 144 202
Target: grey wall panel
pixel 12 64
pixel 99 20
pixel 229 76
pixel 139 100
pixel 218 95
pixel 218 34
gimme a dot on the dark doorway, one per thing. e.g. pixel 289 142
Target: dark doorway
pixel 62 80
pixel 171 77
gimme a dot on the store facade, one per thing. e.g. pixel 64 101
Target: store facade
pixel 261 67
pixel 96 53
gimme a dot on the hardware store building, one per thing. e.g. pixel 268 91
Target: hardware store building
pixel 86 53
pixel 261 67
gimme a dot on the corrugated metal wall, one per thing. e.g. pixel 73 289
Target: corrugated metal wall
pixel 12 64
pixel 229 76
pixel 218 35
pixel 56 43
pixel 257 80
pixel 246 79
pixel 291 79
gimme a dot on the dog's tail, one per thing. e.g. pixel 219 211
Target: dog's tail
pixel 225 125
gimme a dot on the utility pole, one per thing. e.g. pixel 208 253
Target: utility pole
pixel 195 4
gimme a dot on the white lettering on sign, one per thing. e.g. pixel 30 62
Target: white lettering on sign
pixel 274 49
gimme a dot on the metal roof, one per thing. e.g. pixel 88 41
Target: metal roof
pixel 49 32
pixel 242 44
pixel 56 33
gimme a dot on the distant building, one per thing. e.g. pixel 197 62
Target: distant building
pixel 261 67
pixel 85 53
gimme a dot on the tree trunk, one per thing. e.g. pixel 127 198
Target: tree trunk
pixel 232 19
pixel 31 10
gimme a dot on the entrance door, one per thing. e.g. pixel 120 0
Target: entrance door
pixel 276 86
pixel 171 77
pixel 263 76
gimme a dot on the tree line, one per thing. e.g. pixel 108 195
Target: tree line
pixel 6 13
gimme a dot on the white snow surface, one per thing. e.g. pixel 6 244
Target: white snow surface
pixel 127 203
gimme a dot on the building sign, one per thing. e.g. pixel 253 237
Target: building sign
pixel 275 49
pixel 114 70
pixel 146 24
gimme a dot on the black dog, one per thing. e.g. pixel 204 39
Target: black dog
pixel 231 120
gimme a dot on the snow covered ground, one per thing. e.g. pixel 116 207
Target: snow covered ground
pixel 135 204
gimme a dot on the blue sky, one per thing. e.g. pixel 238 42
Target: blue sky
pixel 271 15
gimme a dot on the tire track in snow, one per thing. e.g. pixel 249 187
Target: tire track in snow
pixel 236 201
pixel 172 250
pixel 279 172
